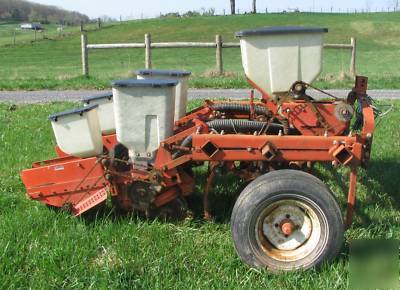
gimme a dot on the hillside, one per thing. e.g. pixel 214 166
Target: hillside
pixel 56 63
pixel 21 10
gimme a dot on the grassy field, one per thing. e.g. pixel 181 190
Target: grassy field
pixel 8 29
pixel 55 63
pixel 41 248
pixel 50 32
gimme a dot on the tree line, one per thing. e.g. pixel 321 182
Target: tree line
pixel 21 10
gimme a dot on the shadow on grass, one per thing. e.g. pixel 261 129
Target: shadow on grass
pixel 387 174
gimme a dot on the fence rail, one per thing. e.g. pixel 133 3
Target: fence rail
pixel 218 45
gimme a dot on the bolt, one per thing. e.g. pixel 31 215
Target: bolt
pixel 334 142
pixel 369 135
pixel 249 149
pixel 148 154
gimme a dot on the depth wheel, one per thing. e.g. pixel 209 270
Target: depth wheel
pixel 287 220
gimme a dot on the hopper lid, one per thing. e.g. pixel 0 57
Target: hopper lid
pixel 279 30
pixel 104 95
pixel 160 72
pixel 155 83
pixel 78 111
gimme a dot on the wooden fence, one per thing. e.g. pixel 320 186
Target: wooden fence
pixel 218 45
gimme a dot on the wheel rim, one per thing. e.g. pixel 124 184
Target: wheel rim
pixel 289 230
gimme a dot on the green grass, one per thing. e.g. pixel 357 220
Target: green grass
pixel 55 64
pixel 7 30
pixel 41 248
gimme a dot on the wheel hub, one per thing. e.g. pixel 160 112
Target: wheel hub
pixel 287 227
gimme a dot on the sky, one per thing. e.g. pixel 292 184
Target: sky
pixel 134 9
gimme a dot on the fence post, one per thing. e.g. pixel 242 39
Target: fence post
pixel 353 57
pixel 219 62
pixel 147 44
pixel 14 37
pixel 85 55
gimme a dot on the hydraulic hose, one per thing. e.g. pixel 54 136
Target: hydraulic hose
pixel 187 142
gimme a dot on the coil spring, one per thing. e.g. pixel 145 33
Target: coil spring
pixel 259 110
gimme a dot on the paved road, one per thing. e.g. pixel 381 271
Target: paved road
pixel 69 95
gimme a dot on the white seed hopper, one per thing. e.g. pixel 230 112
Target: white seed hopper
pixel 181 95
pixel 78 132
pixel 275 57
pixel 144 114
pixel 105 110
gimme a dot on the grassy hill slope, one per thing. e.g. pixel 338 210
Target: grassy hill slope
pixel 56 63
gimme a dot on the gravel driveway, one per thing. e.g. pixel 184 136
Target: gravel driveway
pixel 70 95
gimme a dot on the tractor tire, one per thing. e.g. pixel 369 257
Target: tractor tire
pixel 287 220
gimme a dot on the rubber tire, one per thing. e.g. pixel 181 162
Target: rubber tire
pixel 280 185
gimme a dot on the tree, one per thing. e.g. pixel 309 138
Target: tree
pixel 21 10
pixel 16 14
pixel 254 11
pixel 233 7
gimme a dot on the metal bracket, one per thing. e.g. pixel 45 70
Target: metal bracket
pixel 269 151
pixel 342 154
